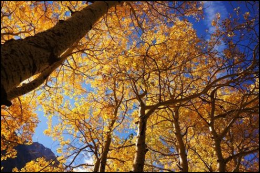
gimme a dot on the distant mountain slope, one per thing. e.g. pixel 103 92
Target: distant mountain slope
pixel 26 153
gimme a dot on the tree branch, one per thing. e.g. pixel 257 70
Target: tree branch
pixel 25 88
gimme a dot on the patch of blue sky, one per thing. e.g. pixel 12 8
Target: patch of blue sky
pixel 42 138
pixel 211 8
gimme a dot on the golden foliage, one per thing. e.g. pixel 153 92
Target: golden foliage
pixel 140 52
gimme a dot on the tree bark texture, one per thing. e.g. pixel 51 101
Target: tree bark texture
pixel 21 59
pixel 107 144
pixel 105 153
pixel 141 147
pixel 96 166
pixel 181 145
pixel 221 166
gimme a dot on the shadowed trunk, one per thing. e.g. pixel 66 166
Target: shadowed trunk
pixel 107 145
pixel 96 166
pixel 221 166
pixel 216 137
pixel 21 59
pixel 105 153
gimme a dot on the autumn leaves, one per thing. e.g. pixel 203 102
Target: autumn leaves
pixel 186 105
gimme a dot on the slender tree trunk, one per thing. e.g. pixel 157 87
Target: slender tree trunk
pixel 181 145
pixel 21 59
pixel 221 166
pixel 105 153
pixel 107 144
pixel 237 163
pixel 96 166
pixel 141 147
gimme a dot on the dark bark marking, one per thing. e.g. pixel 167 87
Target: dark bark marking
pixel 4 100
pixel 3 69
pixel 33 67
pixel 142 128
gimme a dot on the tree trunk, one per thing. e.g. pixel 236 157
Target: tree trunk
pixel 105 153
pixel 237 163
pixel 221 166
pixel 96 166
pixel 107 144
pixel 21 59
pixel 181 146
pixel 141 147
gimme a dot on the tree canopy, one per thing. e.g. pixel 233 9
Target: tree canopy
pixel 133 85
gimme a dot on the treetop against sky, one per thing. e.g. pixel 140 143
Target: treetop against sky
pixel 132 86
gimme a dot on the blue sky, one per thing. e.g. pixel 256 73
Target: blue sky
pixel 40 137
pixel 213 7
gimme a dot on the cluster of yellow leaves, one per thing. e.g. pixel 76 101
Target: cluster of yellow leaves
pixel 41 165
pixel 182 75
pixel 117 60
pixel 122 162
pixel 17 125
pixel 26 18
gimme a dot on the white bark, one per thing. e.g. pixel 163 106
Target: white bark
pixel 140 142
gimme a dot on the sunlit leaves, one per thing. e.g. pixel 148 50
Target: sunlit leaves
pixel 17 125
pixel 41 165
pixel 150 55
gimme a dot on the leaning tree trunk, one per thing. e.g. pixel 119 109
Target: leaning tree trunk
pixel 21 59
